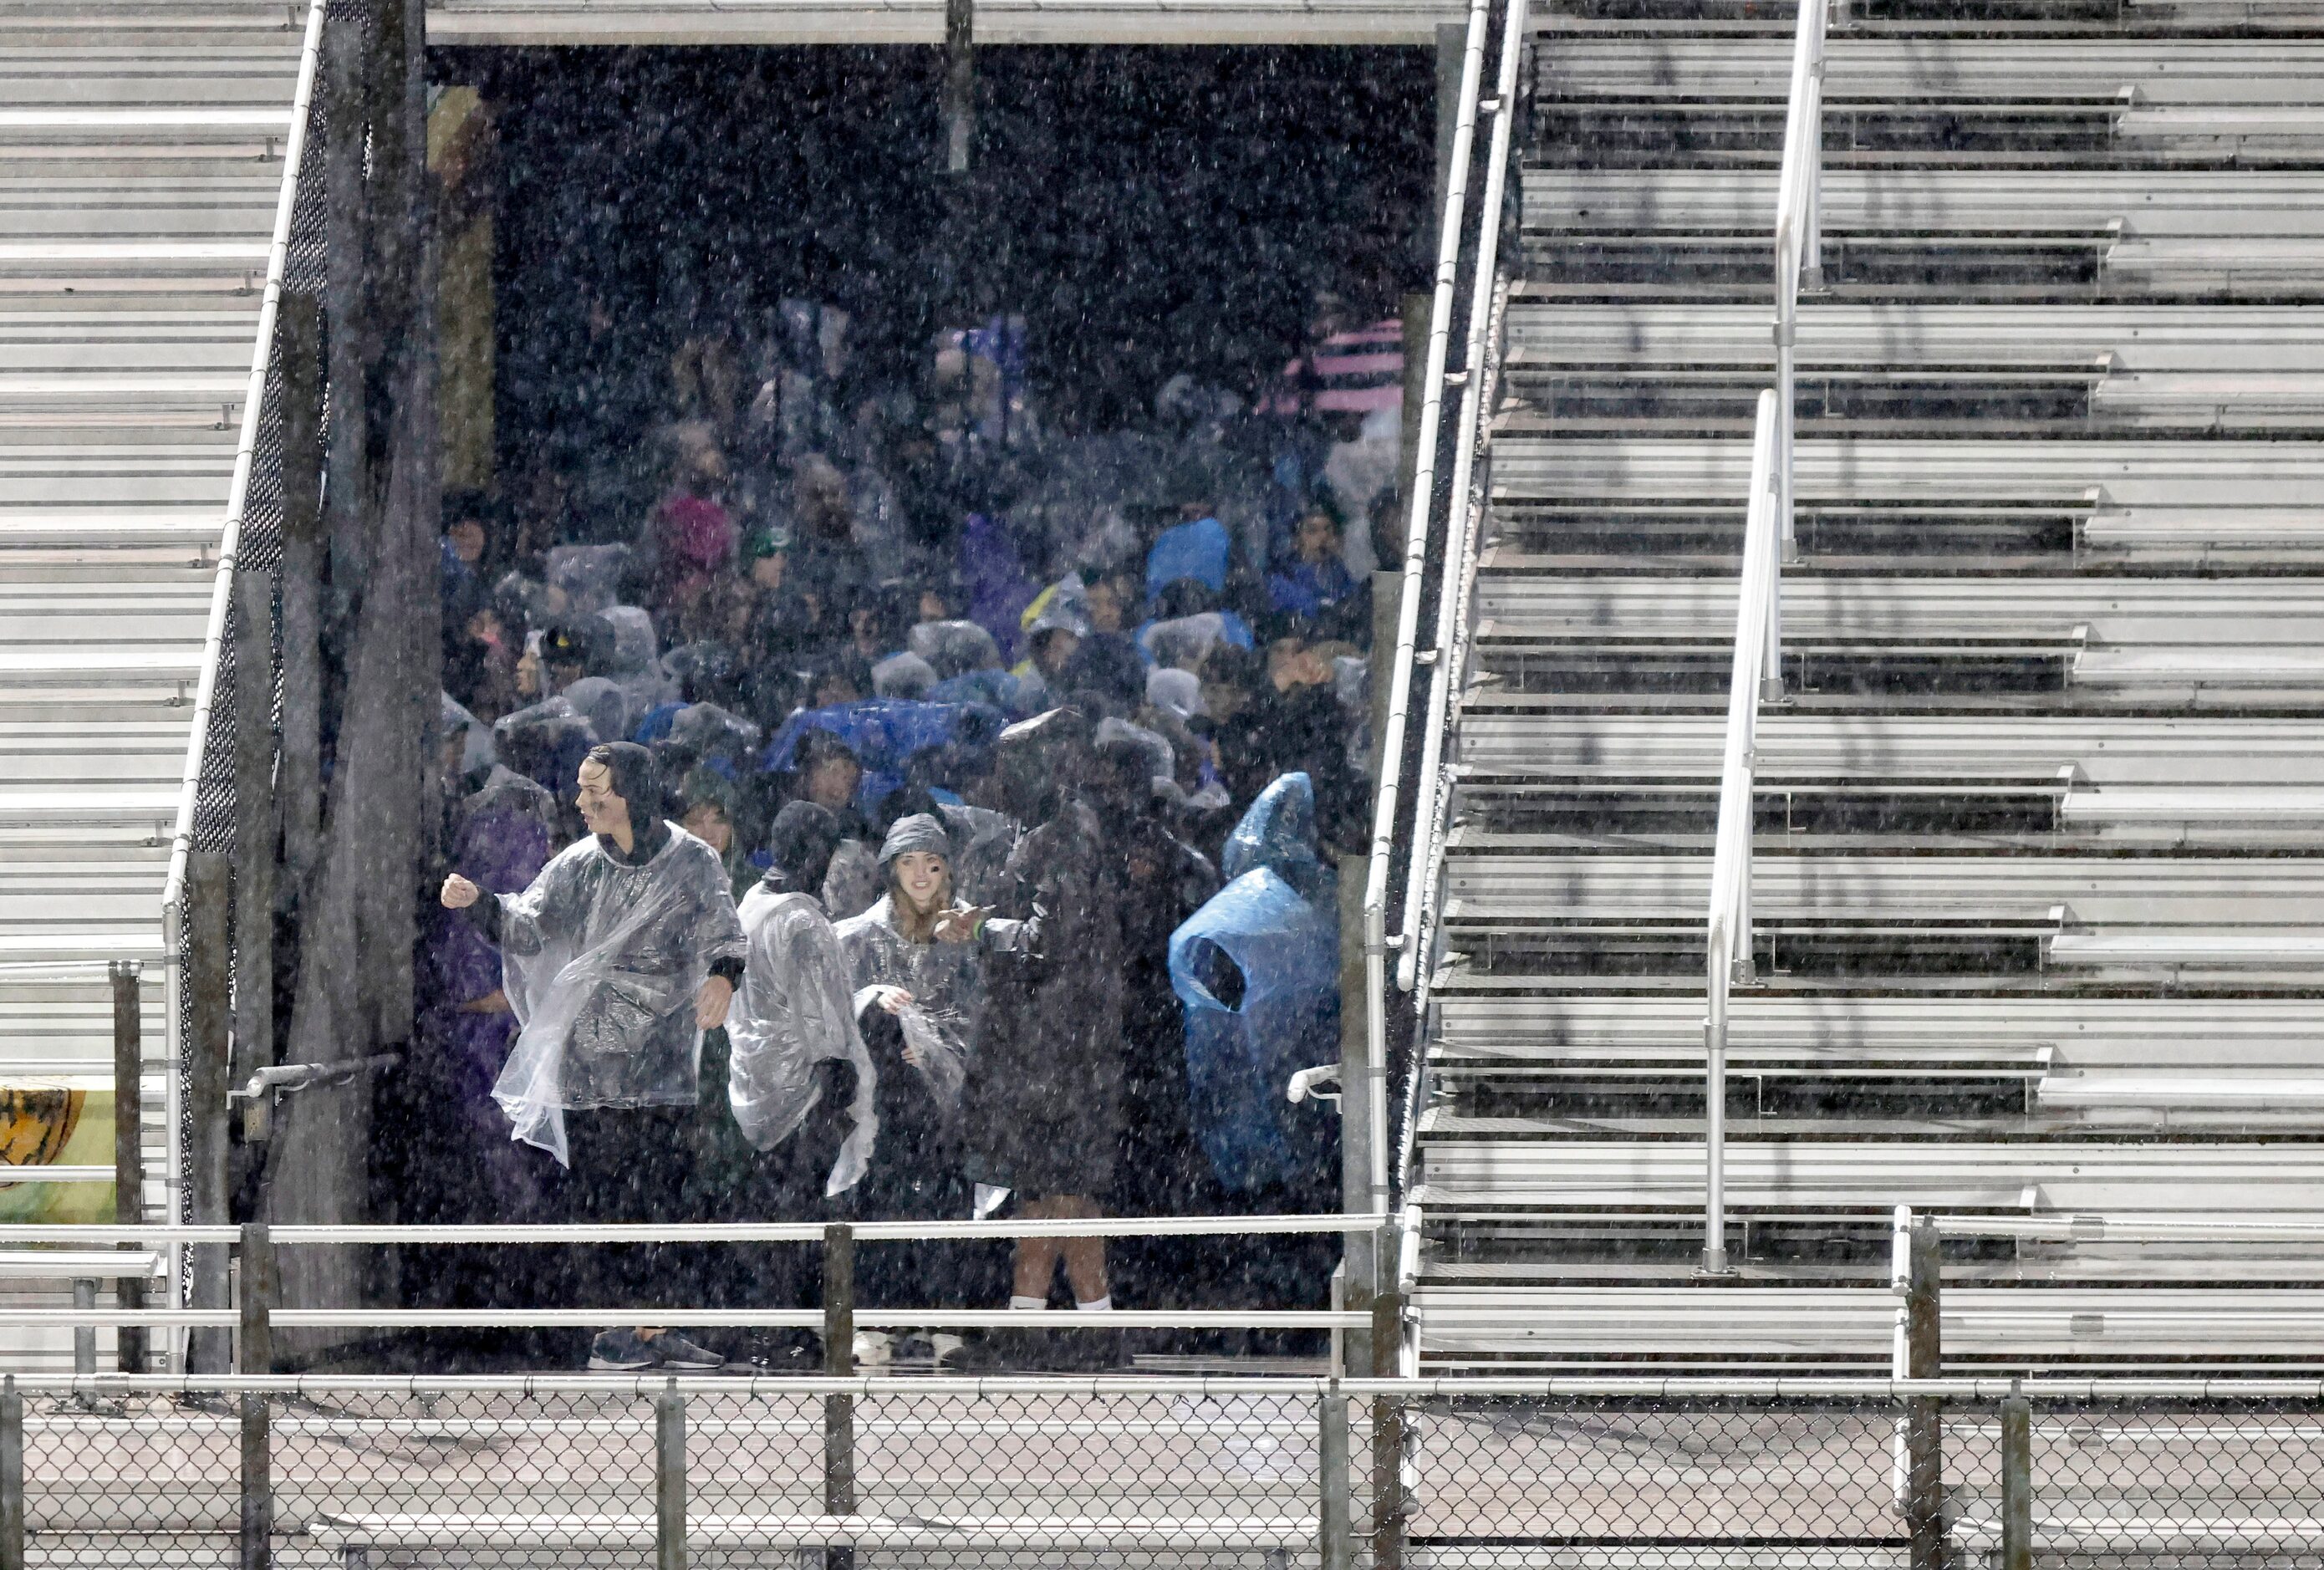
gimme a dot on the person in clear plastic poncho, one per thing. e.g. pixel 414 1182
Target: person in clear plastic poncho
pixel 916 1002
pixel 619 956
pixel 795 1010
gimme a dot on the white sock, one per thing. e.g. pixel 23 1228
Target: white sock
pixel 1015 1302
pixel 1100 1306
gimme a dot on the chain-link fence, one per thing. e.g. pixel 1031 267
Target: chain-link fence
pixel 840 1475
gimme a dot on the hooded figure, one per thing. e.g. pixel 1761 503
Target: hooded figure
pixel 604 954
pixel 917 1001
pixel 793 1011
pixel 1044 1107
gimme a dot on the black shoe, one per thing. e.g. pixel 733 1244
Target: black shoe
pixel 786 1352
pixel 688 1356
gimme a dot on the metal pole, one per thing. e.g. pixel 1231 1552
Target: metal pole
pixel 839 1362
pixel 2016 1483
pixel 1714 1122
pixel 208 952
pixel 254 817
pixel 12 1476
pixel 1924 1418
pixel 669 1479
pixel 299 340
pixel 258 1293
pixel 1387 1425
pixel 128 1146
pixel 84 1293
pixel 1334 1544
pixel 256 1356
pixel 960 83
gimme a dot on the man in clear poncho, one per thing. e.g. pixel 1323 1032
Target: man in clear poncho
pixel 622 953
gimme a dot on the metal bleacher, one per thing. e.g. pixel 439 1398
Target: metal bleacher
pixel 2039 926
pixel 142 153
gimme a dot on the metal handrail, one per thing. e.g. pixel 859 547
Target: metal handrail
pixel 253 403
pixel 1481 365
pixel 1363 1105
pixel 1759 640
pixel 1806 1389
pixel 2099 1228
pixel 337 1233
pixel 1799 224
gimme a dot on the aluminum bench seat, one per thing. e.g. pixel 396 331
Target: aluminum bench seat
pixel 1504 732
pixel 2100 891
pixel 2263 945
pixel 2226 208
pixel 2122 476
pixel 2132 338
pixel 2211 1090
pixel 2169 1038
pixel 2033 1176
pixel 2280 620
pixel 1681 58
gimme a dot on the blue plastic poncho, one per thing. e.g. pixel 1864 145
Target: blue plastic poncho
pixel 883 734
pixel 1273 935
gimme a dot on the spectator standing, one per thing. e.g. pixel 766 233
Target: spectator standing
pixel 1044 1107
pixel 916 1004
pixel 615 959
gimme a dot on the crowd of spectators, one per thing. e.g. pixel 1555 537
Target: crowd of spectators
pixel 826 619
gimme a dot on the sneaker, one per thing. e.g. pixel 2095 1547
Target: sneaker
pixel 913 1346
pixel 948 1349
pixel 677 1352
pixel 786 1352
pixel 622 1352
pixel 874 1348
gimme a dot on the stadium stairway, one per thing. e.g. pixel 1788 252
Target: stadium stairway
pixel 142 154
pixel 2039 898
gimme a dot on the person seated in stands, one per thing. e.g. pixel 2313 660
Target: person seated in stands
pixel 915 1004
pixel 1195 546
pixel 844 677
pixel 692 537
pixel 830 776
pixel 1314 596
pixel 827 567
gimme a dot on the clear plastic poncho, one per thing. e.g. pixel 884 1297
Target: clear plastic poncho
pixel 602 961
pixel 794 1011
pixel 946 986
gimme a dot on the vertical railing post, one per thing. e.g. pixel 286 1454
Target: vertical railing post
pixel 1387 1418
pixel 12 1476
pixel 1714 1112
pixel 208 949
pixel 669 1479
pixel 253 818
pixel 2016 1482
pixel 1924 1468
pixel 128 1146
pixel 256 1356
pixel 1334 1544
pixel 839 1363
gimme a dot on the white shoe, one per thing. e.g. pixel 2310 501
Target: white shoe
pixel 874 1349
pixel 947 1346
